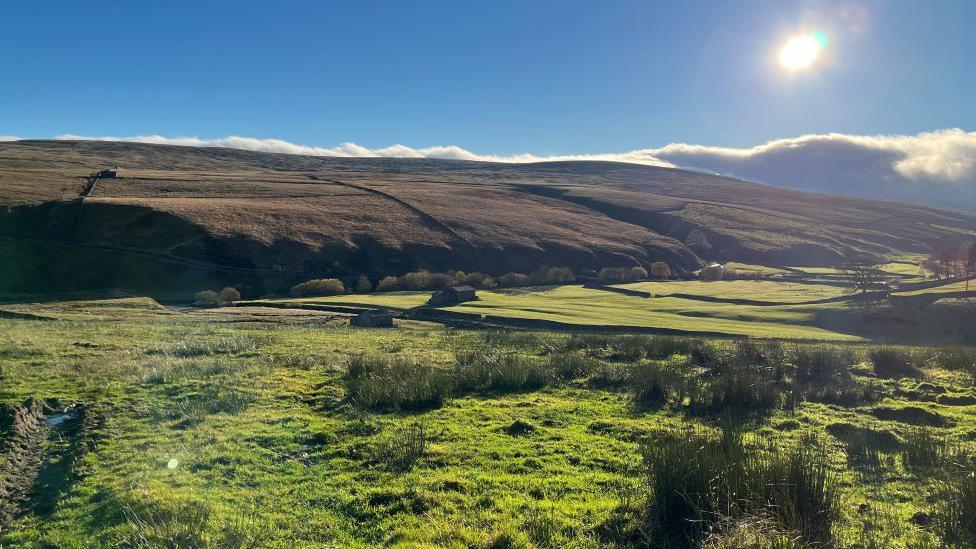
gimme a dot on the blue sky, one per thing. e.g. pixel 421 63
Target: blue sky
pixel 496 77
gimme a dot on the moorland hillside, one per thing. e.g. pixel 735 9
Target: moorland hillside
pixel 180 218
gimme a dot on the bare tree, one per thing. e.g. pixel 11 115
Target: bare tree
pixel 970 264
pixel 866 281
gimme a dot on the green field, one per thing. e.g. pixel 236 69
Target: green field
pixel 579 306
pixel 250 434
pixel 393 300
pixel 943 289
pixel 582 306
pixel 758 290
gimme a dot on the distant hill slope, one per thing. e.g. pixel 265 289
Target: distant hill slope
pixel 182 218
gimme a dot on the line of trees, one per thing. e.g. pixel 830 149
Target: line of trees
pixel 428 280
pixel 952 262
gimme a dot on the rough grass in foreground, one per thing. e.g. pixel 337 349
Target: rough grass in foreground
pixel 699 483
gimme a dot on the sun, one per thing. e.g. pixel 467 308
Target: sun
pixel 801 51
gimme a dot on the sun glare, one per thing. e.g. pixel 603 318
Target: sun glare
pixel 801 51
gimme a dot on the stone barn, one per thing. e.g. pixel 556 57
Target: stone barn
pixel 453 295
pixel 373 318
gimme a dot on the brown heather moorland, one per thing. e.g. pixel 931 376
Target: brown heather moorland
pixel 181 218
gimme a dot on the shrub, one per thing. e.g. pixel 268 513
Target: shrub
pixel 377 382
pixel 698 242
pixel 228 295
pixel 490 370
pixel 711 273
pixel 425 280
pixel 552 276
pixel 622 274
pixel 481 281
pixel 513 279
pixel 388 284
pixel 207 298
pixel 890 362
pixel 660 270
pixel 320 286
pixel 363 285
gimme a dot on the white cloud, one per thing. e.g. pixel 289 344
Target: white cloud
pixel 937 168
pixel 451 152
pixel 9 138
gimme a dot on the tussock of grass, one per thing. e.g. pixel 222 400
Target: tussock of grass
pixel 697 482
pixel 865 446
pixel 629 347
pixel 492 370
pixel 926 450
pixel 212 399
pixel 954 518
pixel 11 350
pixel 660 382
pixel 187 525
pixel 895 363
pixel 572 365
pixel 404 448
pixel 377 382
pixel 187 348
pixel 822 364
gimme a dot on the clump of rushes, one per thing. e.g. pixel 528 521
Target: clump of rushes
pixel 400 451
pixel 745 379
pixel 629 347
pixel 569 366
pixel 378 382
pixel 491 370
pixel 890 362
pixel 818 365
pixel 924 450
pixel 660 382
pixel 699 483
pixel 954 519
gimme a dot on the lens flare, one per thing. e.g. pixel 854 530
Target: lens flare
pixel 801 51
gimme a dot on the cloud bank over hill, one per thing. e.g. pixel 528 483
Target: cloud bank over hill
pixel 934 168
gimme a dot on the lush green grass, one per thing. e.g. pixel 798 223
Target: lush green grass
pixel 747 268
pixel 943 289
pixel 395 300
pixel 759 290
pixel 582 306
pixel 224 431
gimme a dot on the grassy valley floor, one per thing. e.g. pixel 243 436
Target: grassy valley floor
pixel 165 428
